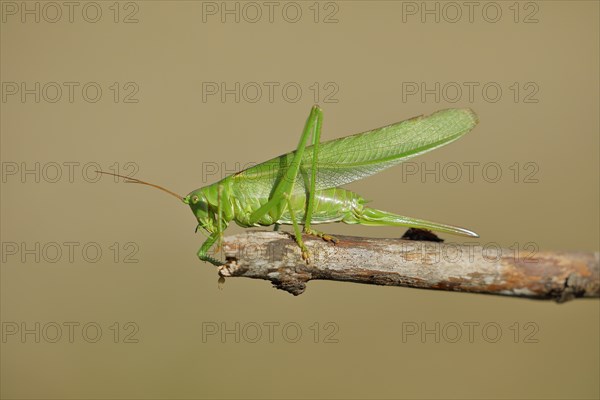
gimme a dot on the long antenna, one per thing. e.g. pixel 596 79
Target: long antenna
pixel 129 179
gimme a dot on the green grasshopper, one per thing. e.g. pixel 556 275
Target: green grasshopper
pixel 303 187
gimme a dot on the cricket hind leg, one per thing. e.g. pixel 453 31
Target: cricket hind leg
pixel 297 232
pixel 286 186
pixel 326 237
pixel 311 187
pixel 316 140
pixel 374 217
pixel 219 219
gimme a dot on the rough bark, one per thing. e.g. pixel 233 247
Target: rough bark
pixel 557 275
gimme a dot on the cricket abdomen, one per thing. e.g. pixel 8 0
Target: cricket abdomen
pixel 330 205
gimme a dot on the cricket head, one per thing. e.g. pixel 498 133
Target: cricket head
pixel 198 202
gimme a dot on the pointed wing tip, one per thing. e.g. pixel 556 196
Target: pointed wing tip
pixel 472 114
pixel 470 233
pixel 463 232
pixel 463 120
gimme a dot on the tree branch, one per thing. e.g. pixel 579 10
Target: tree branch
pixel 274 256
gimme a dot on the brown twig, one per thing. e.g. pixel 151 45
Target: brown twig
pixel 557 275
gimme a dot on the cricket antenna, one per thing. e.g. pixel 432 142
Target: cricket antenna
pixel 129 179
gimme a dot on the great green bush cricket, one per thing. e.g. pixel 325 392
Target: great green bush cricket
pixel 302 186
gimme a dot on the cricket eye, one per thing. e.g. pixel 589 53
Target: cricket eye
pixel 194 199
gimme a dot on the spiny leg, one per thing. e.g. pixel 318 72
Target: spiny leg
pixel 316 139
pixel 326 237
pixel 297 232
pixel 219 219
pixel 286 184
pixel 203 251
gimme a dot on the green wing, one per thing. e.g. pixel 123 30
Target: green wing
pixel 350 158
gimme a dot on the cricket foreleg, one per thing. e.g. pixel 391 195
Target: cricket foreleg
pixel 203 252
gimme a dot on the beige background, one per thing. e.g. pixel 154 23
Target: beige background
pixel 170 132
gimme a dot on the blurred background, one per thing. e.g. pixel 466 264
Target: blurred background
pixel 102 295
